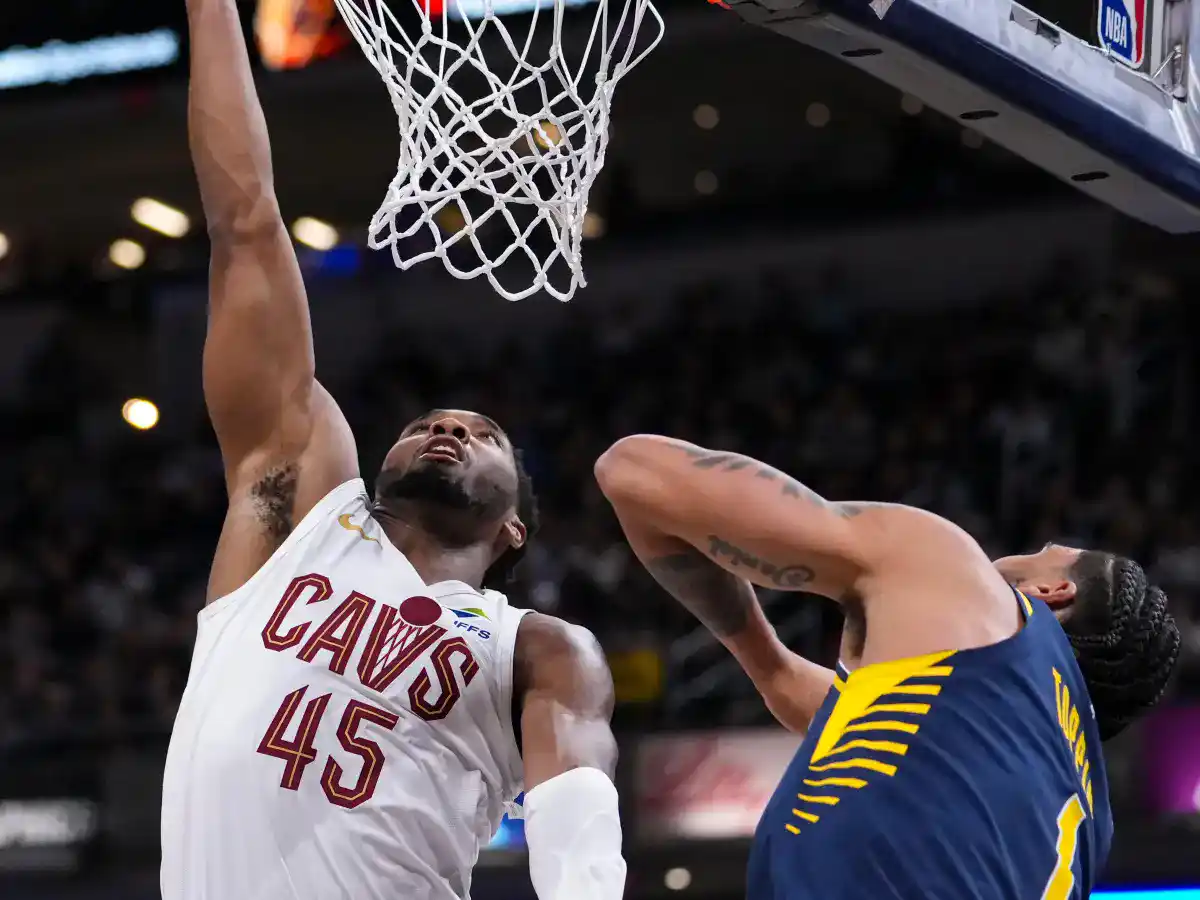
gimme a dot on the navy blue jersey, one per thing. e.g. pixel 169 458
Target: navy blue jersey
pixel 963 775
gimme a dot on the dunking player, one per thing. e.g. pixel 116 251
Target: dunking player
pixel 958 754
pixel 348 727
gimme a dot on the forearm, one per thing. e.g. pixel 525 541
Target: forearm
pixel 723 602
pixel 228 133
pixel 792 687
pixel 259 368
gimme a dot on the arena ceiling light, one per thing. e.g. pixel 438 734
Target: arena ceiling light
pixel 315 233
pixel 127 254
pixel 139 413
pixel 706 116
pixel 677 879
pixel 594 226
pixel 157 216
pixel 4 245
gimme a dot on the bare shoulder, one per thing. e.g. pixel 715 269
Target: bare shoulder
pixel 894 525
pixel 556 657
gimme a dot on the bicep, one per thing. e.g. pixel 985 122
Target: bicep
pixel 751 519
pixel 567 704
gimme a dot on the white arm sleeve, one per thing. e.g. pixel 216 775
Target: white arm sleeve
pixel 573 831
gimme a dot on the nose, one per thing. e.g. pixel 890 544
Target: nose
pixel 451 426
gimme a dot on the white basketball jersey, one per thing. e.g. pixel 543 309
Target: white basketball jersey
pixel 346 730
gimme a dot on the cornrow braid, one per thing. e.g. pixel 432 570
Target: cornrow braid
pixel 1125 641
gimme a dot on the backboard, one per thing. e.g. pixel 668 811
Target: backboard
pixel 1118 119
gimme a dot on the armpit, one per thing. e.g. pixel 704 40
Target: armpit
pixel 274 497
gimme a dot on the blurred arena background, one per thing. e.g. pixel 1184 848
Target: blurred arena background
pixel 784 258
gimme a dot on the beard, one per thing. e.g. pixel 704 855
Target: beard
pixel 441 492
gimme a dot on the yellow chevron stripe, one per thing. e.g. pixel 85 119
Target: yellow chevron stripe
pixel 915 709
pixel 933 672
pixel 865 687
pixel 807 817
pixel 880 746
pixel 828 801
pixel 931 690
pixel 889 725
pixel 857 763
pixel 792 828
pixel 836 782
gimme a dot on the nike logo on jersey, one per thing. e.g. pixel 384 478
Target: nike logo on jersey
pixel 344 521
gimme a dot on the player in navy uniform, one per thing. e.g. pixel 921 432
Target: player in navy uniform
pixel 956 755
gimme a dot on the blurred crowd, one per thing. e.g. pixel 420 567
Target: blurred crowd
pixel 1065 415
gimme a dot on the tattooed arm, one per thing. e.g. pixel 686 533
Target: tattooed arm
pixel 752 520
pixel 706 525
pixel 792 687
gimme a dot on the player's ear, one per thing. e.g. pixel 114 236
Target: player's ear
pixel 1055 593
pixel 512 535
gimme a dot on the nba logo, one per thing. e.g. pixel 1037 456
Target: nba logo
pixel 1121 27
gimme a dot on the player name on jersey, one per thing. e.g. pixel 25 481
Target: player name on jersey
pixel 1069 722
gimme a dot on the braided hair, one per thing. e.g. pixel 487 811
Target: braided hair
pixel 503 571
pixel 1125 641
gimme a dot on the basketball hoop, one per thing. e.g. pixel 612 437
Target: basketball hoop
pixel 500 138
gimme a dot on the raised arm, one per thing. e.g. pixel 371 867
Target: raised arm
pixel 572 825
pixel 912 573
pixel 724 602
pixel 284 442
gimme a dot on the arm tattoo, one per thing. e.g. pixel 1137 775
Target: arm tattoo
pixel 788 486
pixel 788 578
pixel 721 601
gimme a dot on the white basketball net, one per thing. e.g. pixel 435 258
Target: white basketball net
pixel 497 156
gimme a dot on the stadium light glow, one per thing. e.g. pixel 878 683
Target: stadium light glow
pixel 476 9
pixel 127 254
pixel 677 879
pixel 817 115
pixel 706 116
pixel 58 61
pixel 315 233
pixel 547 135
pixel 157 216
pixel 3 245
pixel 140 413
pixel 705 182
pixel 594 226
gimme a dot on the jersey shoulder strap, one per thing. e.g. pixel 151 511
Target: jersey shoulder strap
pixel 338 509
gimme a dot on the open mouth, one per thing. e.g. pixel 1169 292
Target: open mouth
pixel 443 447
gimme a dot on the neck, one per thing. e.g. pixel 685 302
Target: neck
pixel 435 560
